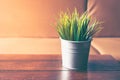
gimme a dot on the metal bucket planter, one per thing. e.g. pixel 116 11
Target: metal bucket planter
pixel 75 54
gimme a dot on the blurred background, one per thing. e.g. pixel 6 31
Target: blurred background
pixel 28 26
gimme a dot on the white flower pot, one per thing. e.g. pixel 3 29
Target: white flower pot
pixel 75 54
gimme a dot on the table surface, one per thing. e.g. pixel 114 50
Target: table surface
pixel 48 67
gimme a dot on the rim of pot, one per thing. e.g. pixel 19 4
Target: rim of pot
pixel 76 41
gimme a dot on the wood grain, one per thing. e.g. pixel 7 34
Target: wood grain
pixel 48 67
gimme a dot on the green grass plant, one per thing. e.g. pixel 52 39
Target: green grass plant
pixel 76 27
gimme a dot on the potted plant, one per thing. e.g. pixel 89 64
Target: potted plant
pixel 76 33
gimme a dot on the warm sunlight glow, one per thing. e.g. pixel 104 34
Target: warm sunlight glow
pixel 32 18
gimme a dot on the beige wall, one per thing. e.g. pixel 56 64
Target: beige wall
pixel 32 18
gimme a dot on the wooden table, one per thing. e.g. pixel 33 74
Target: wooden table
pixel 48 67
